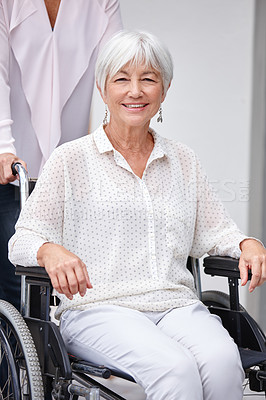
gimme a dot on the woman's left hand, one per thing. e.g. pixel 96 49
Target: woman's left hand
pixel 253 257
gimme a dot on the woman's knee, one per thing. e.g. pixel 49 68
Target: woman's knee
pixel 222 373
pixel 175 379
pixel 223 357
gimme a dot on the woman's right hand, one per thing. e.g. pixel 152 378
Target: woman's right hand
pixel 6 161
pixel 67 272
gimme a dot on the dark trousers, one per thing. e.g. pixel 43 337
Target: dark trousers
pixel 9 212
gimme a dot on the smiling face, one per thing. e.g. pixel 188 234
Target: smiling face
pixel 134 95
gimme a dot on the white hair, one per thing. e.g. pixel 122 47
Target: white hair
pixel 137 48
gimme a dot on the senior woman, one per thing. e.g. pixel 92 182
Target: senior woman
pixel 114 217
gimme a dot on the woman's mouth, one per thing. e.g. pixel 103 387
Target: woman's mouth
pixel 135 106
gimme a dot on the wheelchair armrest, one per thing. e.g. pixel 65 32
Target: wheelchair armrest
pixel 32 272
pixel 222 266
pixel 38 285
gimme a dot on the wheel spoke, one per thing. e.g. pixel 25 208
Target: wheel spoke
pixel 6 390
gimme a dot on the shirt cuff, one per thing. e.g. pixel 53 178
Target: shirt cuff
pixel 23 251
pixel 229 246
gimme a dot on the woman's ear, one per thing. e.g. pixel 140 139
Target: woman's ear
pixel 164 93
pixel 101 93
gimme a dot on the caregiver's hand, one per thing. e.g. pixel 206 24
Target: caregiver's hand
pixel 6 161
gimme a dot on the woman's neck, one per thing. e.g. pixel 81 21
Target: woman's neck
pixel 130 139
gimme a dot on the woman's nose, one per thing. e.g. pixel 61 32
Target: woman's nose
pixel 135 88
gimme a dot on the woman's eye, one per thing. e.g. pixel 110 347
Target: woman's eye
pixel 120 80
pixel 149 80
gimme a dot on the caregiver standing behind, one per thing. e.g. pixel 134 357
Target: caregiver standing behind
pixel 113 219
pixel 48 50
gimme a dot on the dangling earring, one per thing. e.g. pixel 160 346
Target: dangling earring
pixel 160 116
pixel 105 115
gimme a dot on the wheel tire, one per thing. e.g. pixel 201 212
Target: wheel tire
pixel 27 366
pixel 217 299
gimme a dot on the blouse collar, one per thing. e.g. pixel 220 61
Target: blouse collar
pixel 104 145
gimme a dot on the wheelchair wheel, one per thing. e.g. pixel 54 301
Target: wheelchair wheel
pixel 20 372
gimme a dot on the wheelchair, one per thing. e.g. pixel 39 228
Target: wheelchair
pixel 35 365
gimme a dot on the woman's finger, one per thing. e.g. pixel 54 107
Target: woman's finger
pixel 256 273
pixel 63 283
pixel 243 268
pixel 89 285
pixel 263 273
pixel 81 279
pixel 73 283
pixel 55 283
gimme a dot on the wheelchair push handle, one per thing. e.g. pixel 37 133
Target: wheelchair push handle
pixel 15 168
pixel 18 169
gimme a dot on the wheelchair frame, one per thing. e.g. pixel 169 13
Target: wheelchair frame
pixel 39 366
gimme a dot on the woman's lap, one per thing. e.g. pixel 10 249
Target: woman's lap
pixel 167 359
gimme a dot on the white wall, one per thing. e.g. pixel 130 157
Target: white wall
pixel 257 215
pixel 208 105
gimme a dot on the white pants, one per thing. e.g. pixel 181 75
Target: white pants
pixel 182 354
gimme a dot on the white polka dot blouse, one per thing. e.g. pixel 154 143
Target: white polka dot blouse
pixel 134 235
